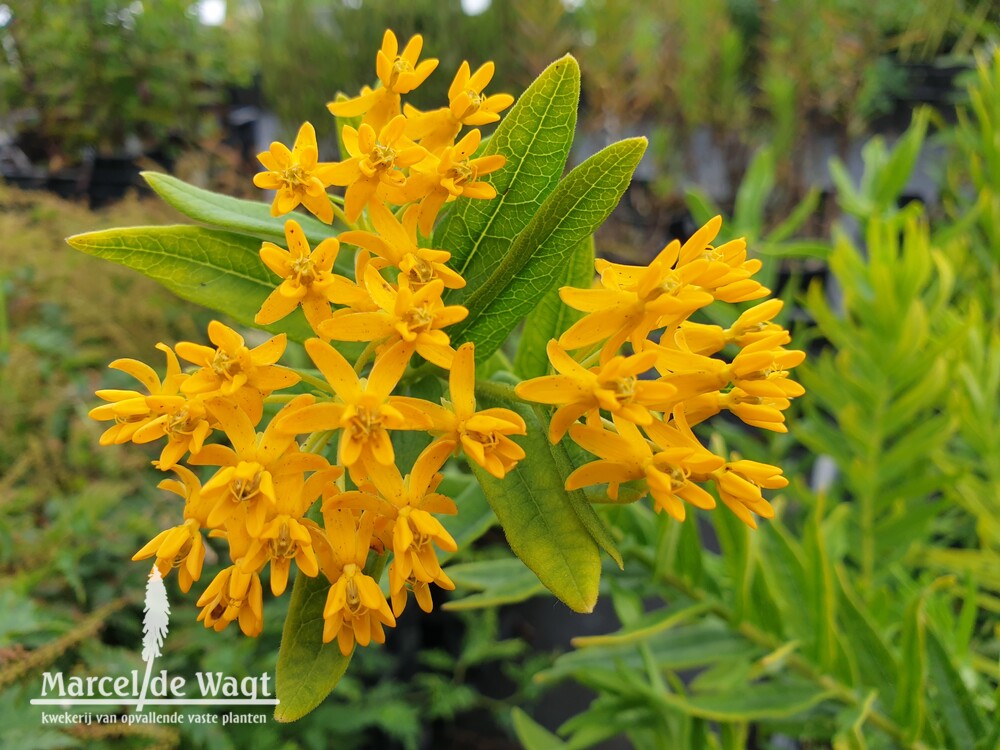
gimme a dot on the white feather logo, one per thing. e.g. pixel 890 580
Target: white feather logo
pixel 155 622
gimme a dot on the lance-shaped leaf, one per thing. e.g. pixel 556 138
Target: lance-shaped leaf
pixel 770 700
pixel 246 217
pixel 210 267
pixel 551 317
pixel 535 137
pixel 495 582
pixel 307 669
pixel 576 208
pixel 538 517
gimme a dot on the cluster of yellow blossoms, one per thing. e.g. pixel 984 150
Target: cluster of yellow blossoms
pixel 648 436
pixel 401 167
pixel 266 482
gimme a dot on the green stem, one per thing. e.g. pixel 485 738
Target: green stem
pixel 314 381
pixel 497 390
pixel 317 441
pixel 365 356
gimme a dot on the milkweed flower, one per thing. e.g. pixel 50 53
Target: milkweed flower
pixel 484 436
pixel 297 175
pixel 467 105
pixel 307 278
pixel 614 387
pixel 415 319
pixel 355 608
pixel 182 546
pixel 739 484
pixel 233 595
pixel 399 73
pixel 365 410
pixel 394 244
pixel 455 174
pixel 374 165
pixel 233 370
pixel 627 456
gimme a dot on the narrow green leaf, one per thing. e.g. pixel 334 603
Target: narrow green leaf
pixel 551 317
pixel 909 709
pixel 701 206
pixel 535 136
pixel 796 217
pixel 497 581
pixel 307 669
pixel 538 517
pixel 956 707
pixel 574 210
pixel 771 700
pixel 875 662
pixel 754 190
pixel 533 735
pixel 645 627
pixel 821 597
pixel 219 270
pixel 246 217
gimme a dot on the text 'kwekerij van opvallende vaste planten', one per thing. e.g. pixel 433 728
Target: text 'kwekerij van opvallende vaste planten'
pixel 410 283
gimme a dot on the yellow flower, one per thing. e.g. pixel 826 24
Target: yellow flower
pixel 398 73
pixel 130 409
pixel 483 435
pixel 284 538
pixel 414 318
pixel 755 411
pixel 233 594
pixel 355 608
pixel 395 244
pixel 262 473
pixel 409 503
pixel 365 412
pixel 452 176
pixel 739 484
pixel 307 278
pixel 233 370
pixel 373 171
pixel 750 326
pixel 633 303
pixel 760 369
pixel 181 547
pixel 466 106
pixel 626 456
pixel 614 386
pixel 297 175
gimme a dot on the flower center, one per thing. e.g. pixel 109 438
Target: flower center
pixel 712 254
pixel 182 554
pixel 461 172
pixel 295 176
pixel 283 546
pixel 365 422
pixel 304 271
pixel 225 365
pixel 421 272
pixel 418 319
pixel 475 102
pixel 179 424
pixel 625 389
pixel 399 65
pixel 243 490
pixel 382 157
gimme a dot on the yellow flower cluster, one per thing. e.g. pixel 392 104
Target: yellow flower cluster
pixel 264 482
pixel 647 434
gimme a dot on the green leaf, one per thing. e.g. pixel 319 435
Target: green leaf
pixel 219 270
pixel 770 700
pixel 498 581
pixel 752 195
pixel 576 208
pixel 535 137
pixel 701 206
pixel 909 709
pixel 956 706
pixel 246 217
pixel 533 735
pixel 538 517
pixel 307 669
pixel 551 317
pixel 645 627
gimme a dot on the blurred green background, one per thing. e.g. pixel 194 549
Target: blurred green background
pixel 856 144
